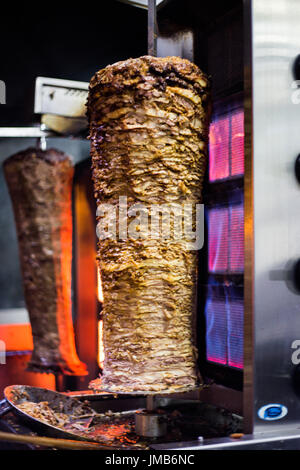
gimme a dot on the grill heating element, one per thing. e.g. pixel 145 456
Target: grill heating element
pixel 224 309
pixel 226 146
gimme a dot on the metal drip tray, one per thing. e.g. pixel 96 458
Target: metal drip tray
pixel 185 420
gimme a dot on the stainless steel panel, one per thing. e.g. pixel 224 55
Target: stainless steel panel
pixel 179 44
pixel 263 441
pixel 272 205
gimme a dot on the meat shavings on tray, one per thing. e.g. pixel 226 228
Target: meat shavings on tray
pixel 43 412
pixel 115 429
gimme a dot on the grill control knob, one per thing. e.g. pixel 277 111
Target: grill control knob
pixel 297 168
pixel 296 275
pixel 296 68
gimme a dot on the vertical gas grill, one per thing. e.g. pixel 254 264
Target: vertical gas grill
pixel 249 276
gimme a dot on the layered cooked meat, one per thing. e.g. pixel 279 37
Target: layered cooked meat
pixel 40 185
pixel 148 129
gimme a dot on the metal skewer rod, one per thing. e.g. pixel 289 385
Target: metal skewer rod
pixel 59 382
pixel 41 141
pixel 150 402
pixel 150 423
pixel 152 28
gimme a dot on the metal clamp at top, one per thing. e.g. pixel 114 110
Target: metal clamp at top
pixel 62 106
pixel 60 97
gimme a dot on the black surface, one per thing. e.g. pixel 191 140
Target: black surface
pixel 70 44
pixel 9 423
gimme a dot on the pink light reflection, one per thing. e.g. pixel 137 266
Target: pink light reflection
pixel 219 149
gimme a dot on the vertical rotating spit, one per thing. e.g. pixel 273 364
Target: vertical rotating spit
pixel 150 422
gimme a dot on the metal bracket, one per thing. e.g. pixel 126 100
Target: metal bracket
pixel 29 132
pixel 60 97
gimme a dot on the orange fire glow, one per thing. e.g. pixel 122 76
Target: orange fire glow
pixel 99 286
pixel 100 323
pixel 101 347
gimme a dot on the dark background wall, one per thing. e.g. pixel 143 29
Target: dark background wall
pixel 73 44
